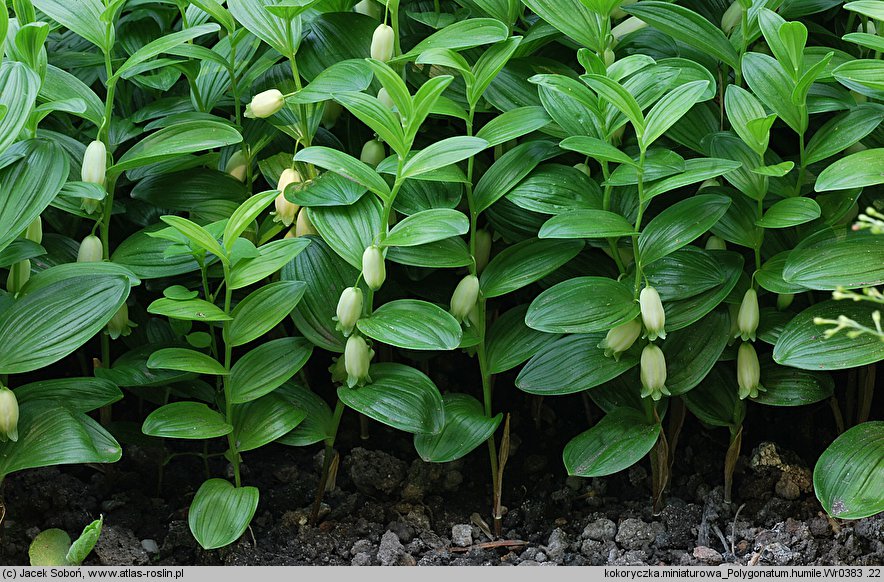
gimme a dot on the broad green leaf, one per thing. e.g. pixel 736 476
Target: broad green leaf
pixel 466 427
pixel 244 215
pixel 82 17
pixel 870 8
pixel 220 512
pixel 513 124
pixel 77 394
pixel 715 401
pixel 695 170
pixel 146 256
pixel 679 225
pixel 586 224
pixel 745 113
pixel 509 170
pixel 199 237
pixel 164 44
pixel 80 306
pixel 524 263
pixel 687 26
pixel 465 34
pixel 185 420
pixel 571 17
pixel 350 75
pixel 670 109
pixel 177 140
pixel 510 342
pixel 847 476
pixel 426 227
pixel 865 168
pixel 262 310
pixel 692 351
pixel 620 98
pixel 349 230
pixel 555 189
pixel 790 212
pixel 790 387
pixel 597 149
pixel 773 87
pixel 50 548
pixel 618 441
pixel 185 360
pixel 587 366
pixel 447 253
pixel 283 34
pixel 346 166
pixel 329 189
pixel 803 344
pixel 400 397
pixel 84 544
pixel 412 324
pixel 378 117
pixel 262 421
pixel 273 257
pixel 319 424
pixel 188 310
pixel 582 305
pixel 443 153
pixel 843 131
pixel 267 367
pixel 489 65
pixel 852 263
pixel 18 91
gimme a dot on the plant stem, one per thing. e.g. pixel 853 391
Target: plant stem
pixel 326 461
pixel 233 456
pixel 638 223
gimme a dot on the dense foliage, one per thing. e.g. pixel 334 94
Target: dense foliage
pixel 649 203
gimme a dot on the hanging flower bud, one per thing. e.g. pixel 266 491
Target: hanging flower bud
pixel 8 415
pixel 94 163
pixel 483 249
pixel 357 359
pixel 19 273
pixel 291 233
pixel 869 28
pixel 338 370
pixel 748 372
pixel 748 317
pixel 236 166
pixel 330 114
pixel 584 168
pixel 784 301
pixel 714 243
pixel 385 99
pixel 34 232
pixel 464 298
pixel 373 270
pixel 373 153
pixel 91 250
pixel 653 314
pixel 265 104
pixel 303 226
pixel 286 211
pixel 618 12
pixel 349 309
pixel 628 26
pixel 617 136
pixel 621 338
pixel 653 373
pixel 710 183
pixel 732 17
pixel 288 176
pixel 119 325
pixel 368 8
pixel 609 57
pixel 382 43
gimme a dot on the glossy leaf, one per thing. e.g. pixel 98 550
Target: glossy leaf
pixel 220 513
pixel 412 324
pixel 847 474
pixel 619 440
pixel 185 420
pixel 466 427
pixel 582 305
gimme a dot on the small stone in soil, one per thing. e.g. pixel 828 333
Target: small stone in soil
pixel 601 529
pixel 708 556
pixel 390 550
pixel 462 535
pixel 634 534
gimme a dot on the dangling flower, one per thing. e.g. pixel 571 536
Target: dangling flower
pixel 714 243
pixel 385 99
pixel 732 17
pixel 373 269
pixel 303 226
pixel 91 250
pixel 621 338
pixel 483 249
pixel 330 114
pixel 748 372
pixel 119 325
pixel 748 317
pixel 464 298
pixel 373 153
pixel 653 314
pixel 34 231
pixel 236 166
pixel 368 8
pixel 19 273
pixel 349 309
pixel 286 211
pixel 653 373
pixel 382 43
pixel 265 104
pixel 8 415
pixel 784 301
pixel 94 163
pixel 357 360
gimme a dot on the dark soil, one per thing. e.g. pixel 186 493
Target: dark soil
pixel 389 508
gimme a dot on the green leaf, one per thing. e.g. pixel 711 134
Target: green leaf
pixel 670 109
pixel 349 230
pixel 524 263
pixel 513 124
pixel 586 224
pixel 412 324
pixel 220 512
pixel 843 131
pixel 773 87
pixel 146 256
pixel 509 170
pixel 510 342
pixel 461 35
pixel 319 424
pixel 200 238
pixel 243 217
pixel 620 98
pixel 273 257
pixel 29 185
pixel 597 149
pixel 185 420
pixel 688 27
pixel 865 168
pixel 790 212
pixel 85 543
pixel 267 367
pixel 283 34
pixel 489 65
pixel 870 8
pixel 693 350
pixel 618 441
pixel 400 397
pixel 378 117
pixel 466 427
pixel 262 310
pixel 426 227
pixel 570 17
pixel 83 18
pixel 44 325
pixel 443 153
pixel 748 118
pixel 188 310
pixel 50 548
pixel 803 344
pixel 20 86
pixel 847 476
pixel 790 387
pixel 851 263
pixel 350 75
pixel 77 394
pixel 264 420
pixel 49 434
pixel 164 44
pixel 447 253
pixel 177 140
pixel 587 366
pixel 346 166
pixel 185 360
pixel 679 225
pixel 582 305
pixel 715 401
pixel 329 189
